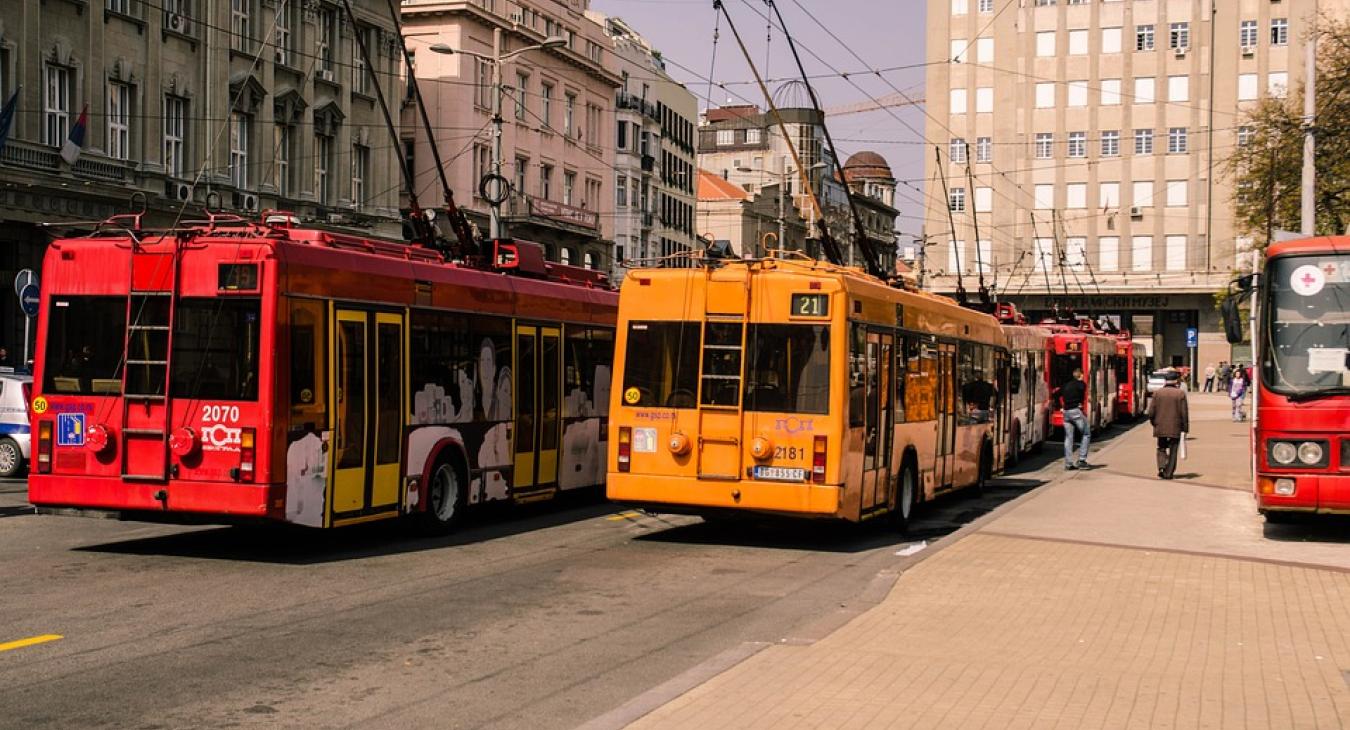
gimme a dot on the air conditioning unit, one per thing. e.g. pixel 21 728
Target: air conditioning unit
pixel 1181 52
pixel 326 75
pixel 179 191
pixel 246 201
pixel 178 23
pixel 279 56
pixel 1136 212
pixel 1248 51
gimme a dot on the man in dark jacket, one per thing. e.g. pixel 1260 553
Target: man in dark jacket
pixel 1170 416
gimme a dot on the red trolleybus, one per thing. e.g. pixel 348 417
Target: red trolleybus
pixel 1082 346
pixel 236 369
pixel 800 388
pixel 1028 388
pixel 1131 368
pixel 1301 418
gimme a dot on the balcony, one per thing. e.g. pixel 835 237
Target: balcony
pixel 42 158
pixel 626 100
pixel 528 207
pixel 648 220
pixel 648 163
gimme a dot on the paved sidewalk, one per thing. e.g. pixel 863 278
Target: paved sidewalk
pixel 1109 599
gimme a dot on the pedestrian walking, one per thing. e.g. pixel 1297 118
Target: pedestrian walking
pixel 1171 419
pixel 1225 371
pixel 1072 396
pixel 1209 378
pixel 1237 392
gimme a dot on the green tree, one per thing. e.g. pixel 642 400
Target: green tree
pixel 1267 169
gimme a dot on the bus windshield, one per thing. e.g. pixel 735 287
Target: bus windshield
pixel 1308 324
pixel 1062 367
pixel 84 345
pixel 661 364
pixel 215 348
pixel 789 368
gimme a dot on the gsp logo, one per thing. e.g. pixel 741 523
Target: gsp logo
pixel 220 438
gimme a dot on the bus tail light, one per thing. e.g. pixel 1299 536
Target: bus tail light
pixel 625 447
pixel 818 460
pixel 247 437
pixel 44 449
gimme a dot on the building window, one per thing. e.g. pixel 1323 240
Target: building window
pixel 1045 44
pixel 1075 195
pixel 546 104
pixel 588 260
pixel 1143 37
pixel 1077 144
pixel 957 102
pixel 752 136
pixel 323 162
pixel 984 200
pixel 482 90
pixel 546 182
pixel 522 90
pixel 986 6
pixel 1141 194
pixel 984 99
pixel 984 149
pixel 119 121
pixel 1176 140
pixel 569 182
pixel 1143 141
pixel 1145 90
pixel 56 105
pixel 958 7
pixel 1179 36
pixel 1245 135
pixel 1045 95
pixel 1247 34
pixel 1045 253
pixel 956 150
pixel 241 25
pixel 283 138
pixel 1108 252
pixel 569 110
pixel 1043 196
pixel 1078 42
pixel 1111 143
pixel 361 79
pixel 360 172
pixel 1141 253
pixel 1045 145
pixel 1078 94
pixel 592 199
pixel 621 191
pixel 1110 40
pixel 1176 193
pixel 565 256
pixel 175 134
pixel 1277 83
pixel 1178 88
pixel 592 130
pixel 282 36
pixel 119 6
pixel 522 164
pixel 1248 88
pixel 1075 253
pixel 327 40
pixel 1279 31
pixel 1110 89
pixel 239 139
pixel 1176 253
pixel 1108 195
pixel 956 200
pixel 726 137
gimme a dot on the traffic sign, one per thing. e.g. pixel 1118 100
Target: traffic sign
pixel 1192 337
pixel 23 279
pixel 29 301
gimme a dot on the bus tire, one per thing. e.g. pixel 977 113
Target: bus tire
pixel 11 458
pixel 446 490
pixel 906 496
pixel 984 469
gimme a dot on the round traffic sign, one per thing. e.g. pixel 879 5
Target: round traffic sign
pixel 29 301
pixel 23 279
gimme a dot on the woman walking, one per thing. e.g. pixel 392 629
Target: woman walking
pixel 1237 390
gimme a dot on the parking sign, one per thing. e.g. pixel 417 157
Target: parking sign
pixel 1192 337
pixel 70 429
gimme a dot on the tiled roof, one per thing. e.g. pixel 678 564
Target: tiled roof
pixel 713 187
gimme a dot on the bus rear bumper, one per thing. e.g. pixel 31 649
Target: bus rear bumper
pixel 1321 493
pixel 200 498
pixel 688 494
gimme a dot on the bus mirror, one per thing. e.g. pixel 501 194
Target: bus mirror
pixel 1232 320
pixel 1245 283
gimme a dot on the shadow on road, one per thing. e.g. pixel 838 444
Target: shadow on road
pixel 292 545
pixel 1311 528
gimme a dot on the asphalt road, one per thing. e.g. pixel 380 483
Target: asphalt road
pixel 533 618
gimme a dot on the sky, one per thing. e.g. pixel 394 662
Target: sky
pixel 885 35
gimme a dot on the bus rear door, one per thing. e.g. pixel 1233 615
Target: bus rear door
pixel 368 390
pixel 538 372
pixel 878 421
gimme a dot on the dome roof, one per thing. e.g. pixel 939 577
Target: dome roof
pixel 867 165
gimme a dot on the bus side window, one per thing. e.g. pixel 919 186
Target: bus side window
pixel 900 371
pixel 857 375
pixel 309 361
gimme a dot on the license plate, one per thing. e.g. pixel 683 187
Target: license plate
pixel 780 474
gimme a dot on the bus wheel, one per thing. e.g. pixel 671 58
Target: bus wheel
pixel 445 498
pixel 906 497
pixel 985 469
pixel 11 458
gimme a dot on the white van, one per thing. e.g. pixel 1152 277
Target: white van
pixel 15 437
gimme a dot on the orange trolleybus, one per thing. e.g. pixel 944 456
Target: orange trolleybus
pixel 1301 415
pixel 1028 387
pixel 237 369
pixel 799 388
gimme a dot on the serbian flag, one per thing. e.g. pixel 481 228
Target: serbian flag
pixel 70 152
pixel 7 117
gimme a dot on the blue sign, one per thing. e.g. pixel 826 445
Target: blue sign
pixel 1192 337
pixel 28 300
pixel 70 429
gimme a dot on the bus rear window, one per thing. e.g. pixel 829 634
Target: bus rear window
pixel 660 367
pixel 84 345
pixel 215 348
pixel 789 368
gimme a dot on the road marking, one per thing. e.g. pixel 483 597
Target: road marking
pixel 912 549
pixel 624 516
pixel 30 641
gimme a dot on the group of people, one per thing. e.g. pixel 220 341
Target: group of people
pixel 1167 410
pixel 1234 379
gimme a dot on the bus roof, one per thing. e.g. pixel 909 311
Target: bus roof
pixel 1318 244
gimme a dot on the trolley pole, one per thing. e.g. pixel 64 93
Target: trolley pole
pixel 495 202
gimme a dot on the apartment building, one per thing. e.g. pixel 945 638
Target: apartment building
pixel 241 105
pixel 1086 141
pixel 558 120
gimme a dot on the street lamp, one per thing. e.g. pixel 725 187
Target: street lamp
pixel 782 188
pixel 496 59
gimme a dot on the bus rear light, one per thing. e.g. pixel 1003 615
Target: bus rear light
pixel 818 448
pixel 625 447
pixel 96 439
pixel 44 449
pixel 247 437
pixel 183 442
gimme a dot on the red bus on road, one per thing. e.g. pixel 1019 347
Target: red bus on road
pixel 1082 346
pixel 1301 417
pixel 1130 364
pixel 237 369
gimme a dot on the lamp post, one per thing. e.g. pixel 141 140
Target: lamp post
pixel 496 60
pixel 782 189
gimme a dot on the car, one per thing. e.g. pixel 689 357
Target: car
pixel 1158 378
pixel 15 436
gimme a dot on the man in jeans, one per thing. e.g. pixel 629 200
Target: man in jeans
pixel 1071 398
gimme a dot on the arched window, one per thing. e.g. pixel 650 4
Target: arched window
pixel 589 260
pixel 565 255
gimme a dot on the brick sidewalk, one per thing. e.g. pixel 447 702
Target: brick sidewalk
pixel 1028 624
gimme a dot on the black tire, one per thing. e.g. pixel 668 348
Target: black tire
pixel 1280 517
pixel 11 458
pixel 447 488
pixel 906 496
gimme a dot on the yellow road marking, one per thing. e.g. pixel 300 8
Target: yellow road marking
pixel 624 516
pixel 30 641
